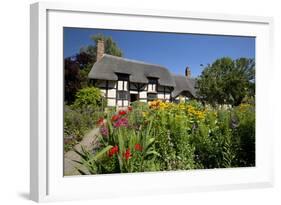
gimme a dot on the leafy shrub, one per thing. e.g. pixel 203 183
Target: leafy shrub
pixel 245 134
pixel 172 141
pixel 77 122
pixel 89 97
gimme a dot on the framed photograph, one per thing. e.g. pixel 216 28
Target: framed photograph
pixel 128 102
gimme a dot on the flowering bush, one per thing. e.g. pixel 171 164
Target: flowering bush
pixel 158 136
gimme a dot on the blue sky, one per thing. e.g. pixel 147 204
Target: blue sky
pixel 171 50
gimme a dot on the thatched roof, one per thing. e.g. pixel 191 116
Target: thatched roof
pixel 109 66
pixel 184 86
pixel 139 72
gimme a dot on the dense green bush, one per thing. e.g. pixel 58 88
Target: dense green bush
pixel 89 97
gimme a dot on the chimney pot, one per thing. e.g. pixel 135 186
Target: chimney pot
pixel 187 72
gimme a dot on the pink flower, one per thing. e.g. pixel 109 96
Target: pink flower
pixel 122 122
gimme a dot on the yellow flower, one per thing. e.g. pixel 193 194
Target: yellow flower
pixel 144 114
pixel 181 106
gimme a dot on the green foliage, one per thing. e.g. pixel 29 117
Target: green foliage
pixel 173 141
pixel 227 81
pixel 89 97
pixel 245 134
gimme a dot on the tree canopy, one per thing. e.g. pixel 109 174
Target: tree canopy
pixel 87 54
pixel 227 81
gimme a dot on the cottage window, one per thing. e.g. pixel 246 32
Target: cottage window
pixel 152 84
pixel 122 95
pixel 151 96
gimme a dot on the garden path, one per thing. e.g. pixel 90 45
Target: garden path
pixel 88 142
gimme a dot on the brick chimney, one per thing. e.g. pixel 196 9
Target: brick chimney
pixel 100 49
pixel 187 72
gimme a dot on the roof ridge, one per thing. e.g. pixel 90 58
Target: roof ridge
pixel 178 75
pixel 134 61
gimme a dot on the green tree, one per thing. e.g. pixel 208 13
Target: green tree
pixel 227 81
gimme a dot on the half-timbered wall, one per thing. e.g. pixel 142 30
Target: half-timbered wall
pixel 108 88
pixel 164 93
pixel 118 92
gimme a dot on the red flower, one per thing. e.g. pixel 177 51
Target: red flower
pixel 114 118
pixel 113 151
pixel 122 112
pixel 130 108
pixel 138 147
pixel 127 154
pixel 100 121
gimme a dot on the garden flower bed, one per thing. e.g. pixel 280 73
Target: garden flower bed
pixel 162 136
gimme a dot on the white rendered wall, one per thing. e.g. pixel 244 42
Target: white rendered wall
pixel 160 96
pixel 119 102
pixel 167 96
pixel 111 102
pixel 126 103
pixel 111 93
pixel 143 94
pixel 103 91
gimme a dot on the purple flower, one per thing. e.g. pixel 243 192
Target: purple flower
pixel 104 131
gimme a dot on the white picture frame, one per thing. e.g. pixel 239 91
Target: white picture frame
pixel 46 176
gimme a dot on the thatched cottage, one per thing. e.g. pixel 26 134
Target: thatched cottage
pixel 124 80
